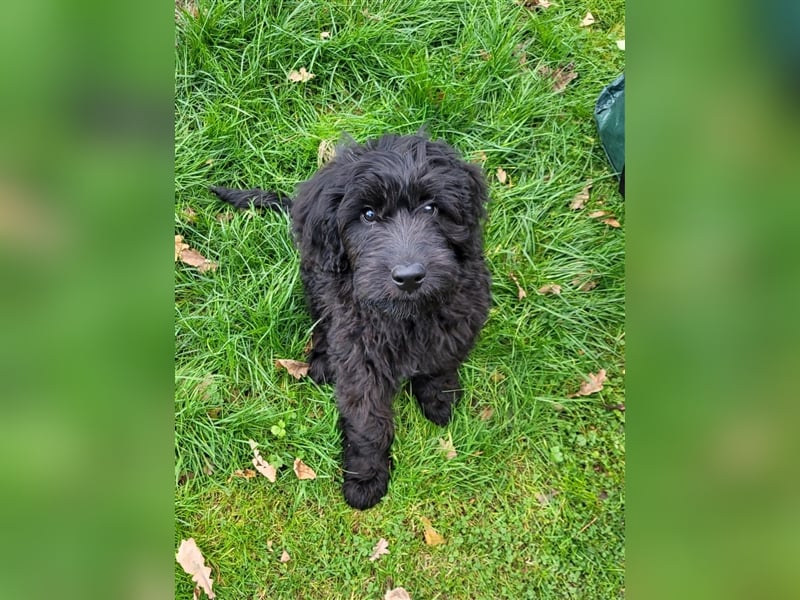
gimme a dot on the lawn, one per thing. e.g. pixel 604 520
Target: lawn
pixel 532 503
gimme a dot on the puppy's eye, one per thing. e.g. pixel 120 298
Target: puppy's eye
pixel 369 215
pixel 430 209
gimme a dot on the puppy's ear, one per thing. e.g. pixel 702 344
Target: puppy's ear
pixel 315 225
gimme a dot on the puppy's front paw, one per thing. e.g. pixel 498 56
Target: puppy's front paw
pixel 365 493
pixel 438 411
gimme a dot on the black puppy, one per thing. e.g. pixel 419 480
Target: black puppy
pixel 390 240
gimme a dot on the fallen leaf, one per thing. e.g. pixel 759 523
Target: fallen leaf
pixel 381 548
pixel 188 6
pixel 620 407
pixel 580 199
pixel 285 557
pixel 502 176
pixel 480 157
pixel 587 286
pixel 300 76
pixel 397 594
pixel 303 471
pixel 545 499
pixel 484 54
pixel 325 152
pixel 521 293
pixel 191 560
pixel 244 473
pixel 621 45
pixel 189 214
pixel 269 545
pixel 594 383
pixel 596 214
pixel 324 35
pixel 486 413
pixel 497 376
pixel 534 4
pixel 224 217
pixel 446 445
pixel 550 288
pixel 296 368
pixel 587 20
pixel 191 257
pixel 179 247
pixel 611 222
pixel 432 537
pixel 262 466
pixel 561 76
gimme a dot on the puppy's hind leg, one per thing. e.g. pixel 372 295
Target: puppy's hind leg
pixel 436 395
pixel 257 198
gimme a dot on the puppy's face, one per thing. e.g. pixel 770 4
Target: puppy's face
pixel 409 226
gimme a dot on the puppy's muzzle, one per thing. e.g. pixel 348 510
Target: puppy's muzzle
pixel 408 277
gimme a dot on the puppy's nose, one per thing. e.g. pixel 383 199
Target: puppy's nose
pixel 408 277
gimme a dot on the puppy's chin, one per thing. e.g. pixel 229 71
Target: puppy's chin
pixel 399 309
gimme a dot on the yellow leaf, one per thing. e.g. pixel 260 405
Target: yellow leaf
pixel 502 176
pixel 432 537
pixel 587 20
pixel 300 76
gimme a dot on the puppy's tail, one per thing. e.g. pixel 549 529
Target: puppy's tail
pixel 257 198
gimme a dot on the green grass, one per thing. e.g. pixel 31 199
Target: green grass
pixel 533 504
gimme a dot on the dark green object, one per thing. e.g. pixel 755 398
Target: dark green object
pixel 609 113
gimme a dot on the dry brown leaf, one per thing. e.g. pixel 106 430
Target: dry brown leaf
pixel 561 76
pixel 191 560
pixel 262 466
pixel 296 368
pixel 432 537
pixel 588 20
pixel 325 152
pixel 611 222
pixel 179 247
pixel 189 214
pixel 534 4
pixel 193 258
pixel 588 286
pixel 593 384
pixel 502 176
pixel 300 76
pixel 521 293
pixel 324 35
pixel 446 445
pixel 479 157
pixel 381 548
pixel 485 55
pixel 550 288
pixel 397 594
pixel 486 413
pixel 224 217
pixel 285 557
pixel 244 473
pixel 580 199
pixel 303 471
pixel 596 214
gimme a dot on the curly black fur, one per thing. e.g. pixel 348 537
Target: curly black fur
pixel 392 262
